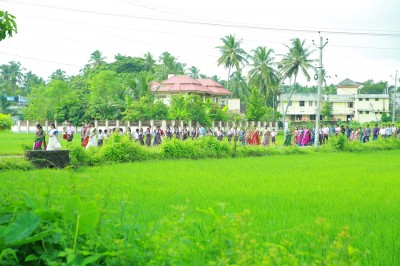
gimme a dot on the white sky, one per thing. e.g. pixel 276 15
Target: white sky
pixel 62 34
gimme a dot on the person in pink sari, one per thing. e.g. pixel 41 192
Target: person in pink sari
pixel 306 137
pixel 300 136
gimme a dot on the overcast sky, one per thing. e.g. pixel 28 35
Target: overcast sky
pixel 364 35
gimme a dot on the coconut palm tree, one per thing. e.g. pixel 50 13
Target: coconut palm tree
pixel 295 61
pixel 149 61
pixel 59 74
pixel 194 72
pixel 263 73
pixel 97 58
pixel 232 55
pixel 170 65
pixel 12 75
pixel 239 86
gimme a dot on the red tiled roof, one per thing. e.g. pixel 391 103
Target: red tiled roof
pixel 214 86
pixel 178 84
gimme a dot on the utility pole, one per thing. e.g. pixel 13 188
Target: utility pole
pixel 318 115
pixel 394 99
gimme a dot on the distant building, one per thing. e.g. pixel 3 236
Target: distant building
pixel 206 88
pixel 346 105
pixel 15 106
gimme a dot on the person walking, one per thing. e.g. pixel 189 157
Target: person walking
pixel 92 136
pixel 54 144
pixel 84 129
pixel 40 139
pixel 70 132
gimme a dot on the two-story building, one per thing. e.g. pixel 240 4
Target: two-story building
pixel 346 105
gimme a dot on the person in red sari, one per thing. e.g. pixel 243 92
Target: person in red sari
pixel 255 139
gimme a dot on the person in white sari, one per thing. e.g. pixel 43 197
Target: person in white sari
pixel 53 144
pixel 92 134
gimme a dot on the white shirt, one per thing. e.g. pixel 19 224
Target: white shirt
pixel 70 130
pixel 382 131
pixel 273 133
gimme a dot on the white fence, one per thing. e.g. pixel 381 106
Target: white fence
pixel 30 126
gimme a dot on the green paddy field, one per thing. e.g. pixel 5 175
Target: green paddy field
pixel 285 195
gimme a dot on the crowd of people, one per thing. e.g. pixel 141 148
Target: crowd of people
pixel 300 136
pixel 303 136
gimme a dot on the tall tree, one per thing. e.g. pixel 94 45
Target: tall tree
pixel 59 74
pixel 255 109
pixel 194 72
pixel 149 60
pixel 296 60
pixel 263 73
pixel 12 75
pixel 106 96
pixel 96 59
pixel 232 55
pixel 239 86
pixel 169 65
pixel 31 80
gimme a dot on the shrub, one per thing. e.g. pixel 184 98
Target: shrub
pixel 120 148
pixel 338 143
pixel 78 156
pixel 15 164
pixel 5 122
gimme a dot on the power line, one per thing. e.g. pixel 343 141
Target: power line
pixel 188 34
pixel 220 24
pixel 41 60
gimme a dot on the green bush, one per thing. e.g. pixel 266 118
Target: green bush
pixel 120 148
pixel 338 143
pixel 207 147
pixel 5 122
pixel 15 164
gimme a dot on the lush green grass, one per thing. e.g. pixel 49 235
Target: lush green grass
pixel 14 143
pixel 285 194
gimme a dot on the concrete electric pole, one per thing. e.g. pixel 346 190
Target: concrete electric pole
pixel 318 115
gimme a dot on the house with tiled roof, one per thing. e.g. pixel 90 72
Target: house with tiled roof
pixel 206 88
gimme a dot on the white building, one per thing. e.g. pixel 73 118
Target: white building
pixel 346 105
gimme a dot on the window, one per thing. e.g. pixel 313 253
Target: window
pixel 299 117
pixel 290 103
pixel 361 112
pixel 367 112
pixel 376 99
pixel 350 105
pixel 315 103
pixel 301 103
pixel 312 117
pixel 360 99
pixel 367 99
pixel 309 103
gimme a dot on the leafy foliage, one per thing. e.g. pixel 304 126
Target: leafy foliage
pixel 5 122
pixel 255 109
pixel 8 26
